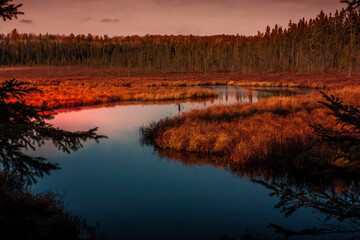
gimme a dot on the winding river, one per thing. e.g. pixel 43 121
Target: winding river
pixel 136 193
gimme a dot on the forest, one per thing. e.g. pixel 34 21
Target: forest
pixel 330 42
pixel 158 101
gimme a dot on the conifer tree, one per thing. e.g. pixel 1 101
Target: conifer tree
pixel 352 4
pixel 24 127
pixel 9 10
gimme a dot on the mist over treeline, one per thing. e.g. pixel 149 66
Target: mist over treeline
pixel 330 42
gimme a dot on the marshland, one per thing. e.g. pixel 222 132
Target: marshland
pixel 181 136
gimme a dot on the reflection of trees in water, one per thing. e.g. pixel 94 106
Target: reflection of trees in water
pixel 24 215
pixel 341 211
pixel 25 127
pixel 334 193
pixel 296 174
pixel 325 181
pixel 191 159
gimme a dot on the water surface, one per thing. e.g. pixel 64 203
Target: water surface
pixel 136 194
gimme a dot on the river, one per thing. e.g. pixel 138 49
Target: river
pixel 135 193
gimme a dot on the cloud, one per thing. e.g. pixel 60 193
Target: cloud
pixel 27 21
pixel 110 20
pixel 141 17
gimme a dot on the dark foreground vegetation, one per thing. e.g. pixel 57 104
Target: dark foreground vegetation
pixel 43 216
pixel 25 215
pixel 304 149
pixel 328 42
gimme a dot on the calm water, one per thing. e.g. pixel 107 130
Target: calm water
pixel 135 194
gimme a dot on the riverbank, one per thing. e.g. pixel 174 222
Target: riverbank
pixel 273 131
pixel 64 87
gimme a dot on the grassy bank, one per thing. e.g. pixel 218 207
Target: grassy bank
pixel 83 86
pixel 273 130
pixel 64 96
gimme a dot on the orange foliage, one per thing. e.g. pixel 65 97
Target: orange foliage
pixel 60 90
pixel 79 86
pixel 272 129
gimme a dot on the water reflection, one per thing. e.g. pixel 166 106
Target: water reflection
pixel 133 195
pixel 341 211
pixel 333 197
pixel 24 215
pixel 227 96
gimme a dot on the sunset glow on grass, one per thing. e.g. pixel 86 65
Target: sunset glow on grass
pixel 64 87
pixel 179 119
pixel 276 129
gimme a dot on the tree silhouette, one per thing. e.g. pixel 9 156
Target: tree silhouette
pixel 9 10
pixel 346 136
pixel 352 4
pixel 341 211
pixel 24 127
pixel 24 215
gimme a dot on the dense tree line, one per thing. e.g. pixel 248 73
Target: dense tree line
pixel 326 43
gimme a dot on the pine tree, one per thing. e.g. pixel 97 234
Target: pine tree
pixel 352 4
pixel 25 127
pixel 9 10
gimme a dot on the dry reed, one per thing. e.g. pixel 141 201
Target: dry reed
pixel 272 129
pixel 79 86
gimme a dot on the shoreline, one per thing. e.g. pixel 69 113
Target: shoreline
pixel 69 87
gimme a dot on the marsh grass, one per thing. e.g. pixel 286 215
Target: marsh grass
pixel 273 130
pixel 65 87
pixel 75 96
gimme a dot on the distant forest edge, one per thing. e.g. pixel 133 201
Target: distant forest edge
pixel 326 43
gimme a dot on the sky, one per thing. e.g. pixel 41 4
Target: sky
pixel 141 17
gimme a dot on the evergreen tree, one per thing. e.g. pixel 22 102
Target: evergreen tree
pixel 9 10
pixel 326 43
pixel 352 4
pixel 346 136
pixel 24 127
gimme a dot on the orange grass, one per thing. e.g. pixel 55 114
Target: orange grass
pixel 83 95
pixel 272 129
pixel 63 91
pixel 275 128
pixel 83 86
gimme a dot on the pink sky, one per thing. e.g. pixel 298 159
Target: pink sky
pixel 141 17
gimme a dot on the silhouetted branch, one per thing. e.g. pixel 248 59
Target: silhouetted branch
pixel 24 127
pixel 352 4
pixel 347 134
pixel 344 208
pixel 9 10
